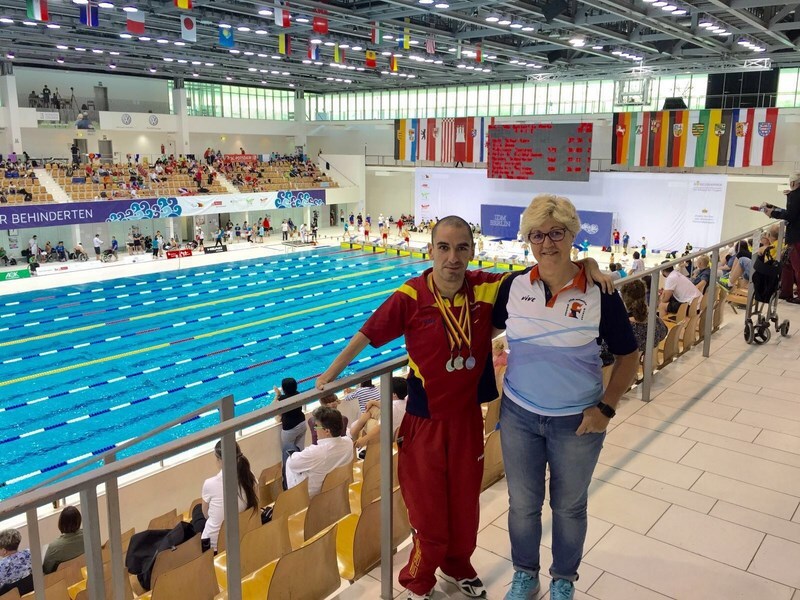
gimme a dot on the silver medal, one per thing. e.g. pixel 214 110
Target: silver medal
pixel 449 366
pixel 458 363
pixel 470 363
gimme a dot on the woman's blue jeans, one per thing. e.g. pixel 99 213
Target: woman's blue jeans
pixel 530 443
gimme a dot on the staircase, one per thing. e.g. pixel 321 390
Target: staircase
pixel 229 187
pixel 56 191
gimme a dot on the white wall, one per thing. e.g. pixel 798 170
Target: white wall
pixel 749 191
pixel 390 191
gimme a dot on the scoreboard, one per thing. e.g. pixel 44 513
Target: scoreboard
pixel 557 151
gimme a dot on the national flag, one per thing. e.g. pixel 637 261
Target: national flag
pixel 763 144
pixel 430 45
pixel 460 149
pixel 320 24
pixel 458 50
pixel 696 139
pixel 676 140
pixel 377 33
pixel 226 37
pixel 284 44
pixel 658 140
pixel 743 121
pixel 371 59
pixel 478 53
pixel 135 22
pixel 723 130
pixel 188 29
pixel 392 63
pixel 281 14
pixel 406 136
pixel 448 141
pixel 89 15
pixel 37 10
pixel 338 54
pixel 313 52
pixel 620 138
pixel 183 4
pixel 407 35
pixel 635 146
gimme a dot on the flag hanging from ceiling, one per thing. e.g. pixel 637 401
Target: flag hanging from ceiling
pixel 696 139
pixel 183 4
pixel 371 59
pixel 677 137
pixel 89 15
pixel 338 54
pixel 284 44
pixel 478 53
pixel 226 37
pixel 377 34
pixel 458 50
pixel 135 22
pixel 442 140
pixel 392 63
pixel 281 14
pixel 763 144
pixel 37 10
pixel 313 52
pixel 320 24
pixel 448 141
pixel 430 45
pixel 188 29
pixel 407 36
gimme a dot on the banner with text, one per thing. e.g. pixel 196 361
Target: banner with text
pixel 74 213
pixel 504 222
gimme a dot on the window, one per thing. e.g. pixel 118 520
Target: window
pixel 787 88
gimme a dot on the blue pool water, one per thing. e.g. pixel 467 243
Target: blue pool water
pixel 87 367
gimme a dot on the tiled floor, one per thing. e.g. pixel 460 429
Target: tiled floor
pixel 697 492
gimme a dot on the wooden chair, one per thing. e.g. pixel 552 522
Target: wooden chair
pixel 249 519
pixel 689 337
pixel 291 502
pixel 259 547
pixel 71 569
pixel 194 580
pixel 683 310
pixel 168 560
pixel 308 572
pixel 719 308
pixel 11 595
pixel 371 484
pixel 339 475
pixel 493 470
pixel 126 541
pixel 55 591
pixel 668 349
pixel 270 484
pixel 81 593
pixel 166 521
pixel 326 508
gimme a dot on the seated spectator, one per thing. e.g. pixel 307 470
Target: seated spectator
pixel 331 401
pixel 15 564
pixel 368 427
pixel 315 462
pixel 499 355
pixel 3 256
pixel 678 289
pixel 634 295
pixel 363 394
pixel 701 272
pixel 638 264
pixel 293 424
pixel 209 515
pixel 69 544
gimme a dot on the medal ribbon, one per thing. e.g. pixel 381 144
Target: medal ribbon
pixel 459 331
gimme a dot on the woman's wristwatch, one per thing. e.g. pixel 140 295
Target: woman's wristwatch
pixel 607 411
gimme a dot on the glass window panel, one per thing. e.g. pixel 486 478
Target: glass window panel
pixel 516 98
pixel 606 96
pixel 787 87
pixel 483 100
pixel 441 102
pixel 494 100
pixel 472 100
pixel 579 97
pixel 553 96
pixel 565 99
pixel 505 99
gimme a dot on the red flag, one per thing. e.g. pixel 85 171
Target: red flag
pixel 371 59
pixel 392 63
pixel 183 4
pixel 135 22
pixel 281 14
pixel 320 25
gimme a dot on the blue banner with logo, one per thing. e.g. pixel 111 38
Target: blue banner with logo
pixel 503 222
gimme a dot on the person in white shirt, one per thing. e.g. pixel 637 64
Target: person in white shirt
pixel 33 246
pixel 208 516
pixel 638 264
pixel 316 461
pixel 97 242
pixel 678 289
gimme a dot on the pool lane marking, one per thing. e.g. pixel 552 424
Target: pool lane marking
pixel 196 306
pixel 184 276
pixel 200 336
pixel 190 284
pixel 198 320
pixel 207 414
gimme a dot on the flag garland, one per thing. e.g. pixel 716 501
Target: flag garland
pixel 37 10
pixel 313 52
pixel 478 53
pixel 442 140
pixel 284 44
pixel 281 14
pixel 695 138
pixel 89 15
pixel 377 34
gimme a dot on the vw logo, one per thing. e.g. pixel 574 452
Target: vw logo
pixel 153 120
pixel 126 119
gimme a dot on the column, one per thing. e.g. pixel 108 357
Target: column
pixel 181 112
pixel 300 139
pixel 12 138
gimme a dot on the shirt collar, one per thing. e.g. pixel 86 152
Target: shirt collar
pixel 579 281
pixel 425 296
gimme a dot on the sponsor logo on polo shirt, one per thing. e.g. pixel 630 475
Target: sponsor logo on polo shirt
pixel 576 308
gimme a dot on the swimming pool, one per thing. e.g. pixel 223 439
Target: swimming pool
pixel 87 367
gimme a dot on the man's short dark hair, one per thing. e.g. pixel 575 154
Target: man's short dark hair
pixel 636 256
pixel 289 386
pixel 668 269
pixel 367 383
pixel 400 387
pixel 612 267
pixel 452 221
pixel 330 419
pixel 69 521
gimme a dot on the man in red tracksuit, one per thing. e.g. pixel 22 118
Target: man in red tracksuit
pixel 440 464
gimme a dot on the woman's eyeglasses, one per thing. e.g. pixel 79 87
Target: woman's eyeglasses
pixel 555 235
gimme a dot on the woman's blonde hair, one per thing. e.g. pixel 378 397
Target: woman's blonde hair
pixel 546 206
pixel 702 261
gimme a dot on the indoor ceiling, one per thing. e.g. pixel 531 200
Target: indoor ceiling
pixel 516 40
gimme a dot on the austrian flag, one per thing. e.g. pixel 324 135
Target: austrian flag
pixel 37 10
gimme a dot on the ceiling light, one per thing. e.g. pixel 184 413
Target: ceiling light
pixel 438 61
pixel 112 66
pixel 679 11
pixel 721 30
pixel 356 48
pixel 597 47
pixel 265 12
pixel 125 36
pixel 30 23
pixel 285 73
pixel 195 74
pixel 209 64
pixel 426 1
pixel 275 57
pixel 648 1
pixel 179 43
pixel 532 65
pixel 234 51
pixel 10 55
pixel 527 28
pixel 243 28
pixel 60 60
pixel 504 21
pixel 152 69
pixel 302 19
pixel 252 69
pixel 398 55
pixel 492 18
pixel 6 20
pixel 726 34
pixel 182 61
pixel 660 3
pixel 344 45
pixel 705 23
pixel 97 51
pixel 144 38
pixel 470 67
pixel 669 8
pixel 249 53
pixel 168 59
pixel 513 61
pixel 229 78
pixel 80 1
pixel 616 52
pixel 330 43
pixel 413 42
pixel 386 53
pixel 315 40
pixel 441 5
pixel 77 49
pixel 105 5
pixel 516 25
pixel 402 75
pixel 261 32
pixel 224 26
pixel 62 47
pixel 53 26
pixel 130 9
pixel 462 66
pixel 162 41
